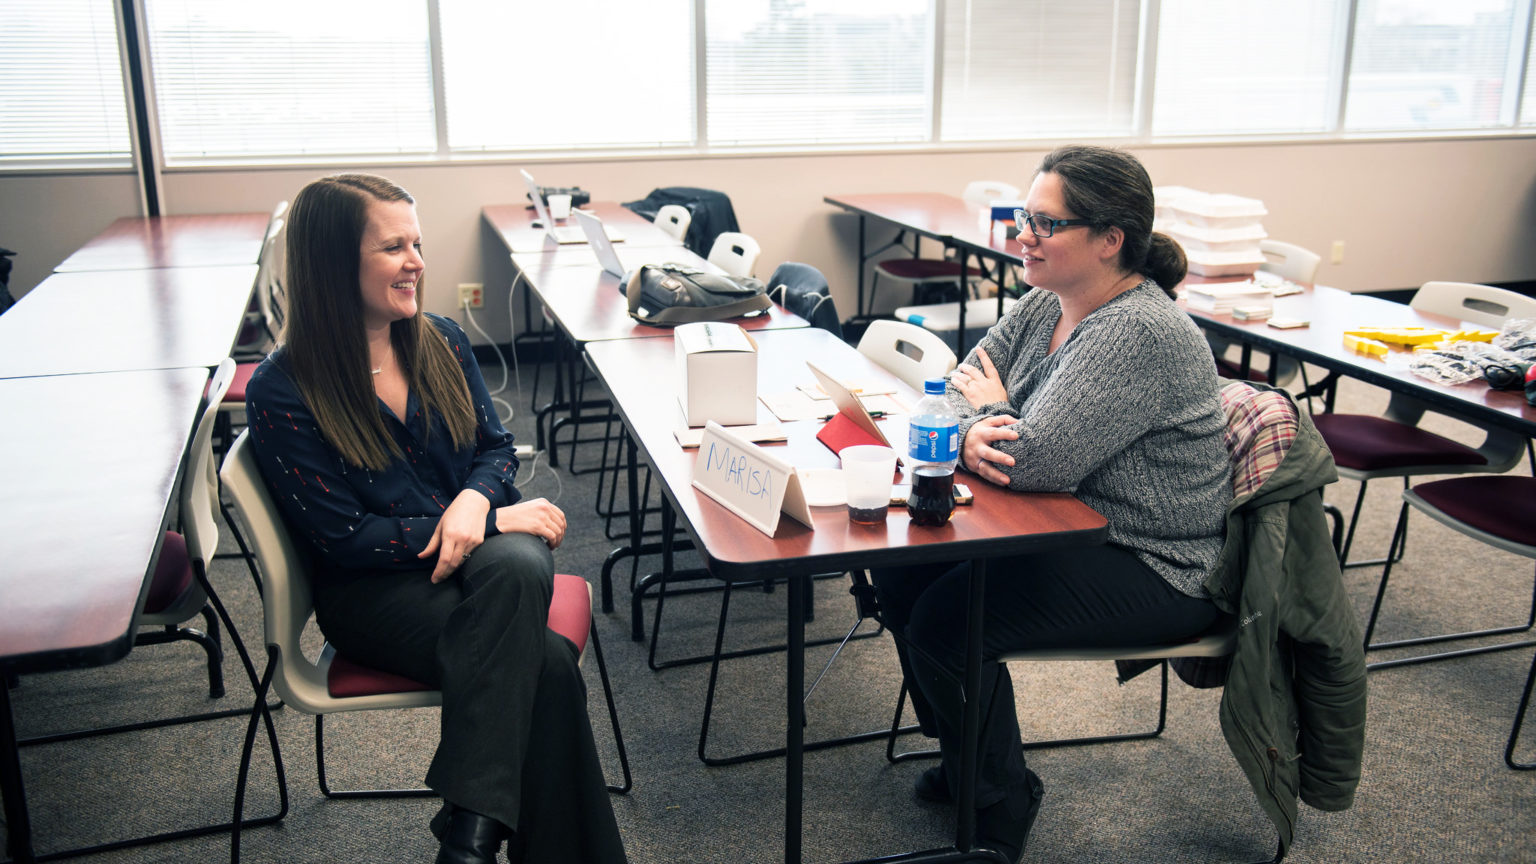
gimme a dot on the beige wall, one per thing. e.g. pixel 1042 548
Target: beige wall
pixel 45 217
pixel 1407 211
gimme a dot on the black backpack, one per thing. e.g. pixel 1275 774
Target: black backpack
pixel 668 294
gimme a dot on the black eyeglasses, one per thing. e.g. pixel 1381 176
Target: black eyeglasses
pixel 1044 226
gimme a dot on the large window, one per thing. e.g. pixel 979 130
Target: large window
pixel 348 81
pixel 1528 104
pixel 541 76
pixel 817 71
pixel 291 78
pixel 1262 66
pixel 1430 64
pixel 1017 69
pixel 61 84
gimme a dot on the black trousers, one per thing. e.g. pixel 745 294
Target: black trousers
pixel 1101 596
pixel 516 742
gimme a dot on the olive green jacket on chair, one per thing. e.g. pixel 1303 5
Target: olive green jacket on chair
pixel 1293 708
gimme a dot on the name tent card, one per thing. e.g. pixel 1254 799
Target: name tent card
pixel 748 480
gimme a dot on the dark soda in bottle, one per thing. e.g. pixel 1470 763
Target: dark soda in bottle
pixel 932 498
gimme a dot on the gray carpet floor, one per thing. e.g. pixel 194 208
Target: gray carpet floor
pixel 1435 786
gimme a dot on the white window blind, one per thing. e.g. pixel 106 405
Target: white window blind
pixel 1429 64
pixel 1251 67
pixel 1019 69
pixel 291 78
pixel 1528 102
pixel 817 71
pixel 61 83
pixel 534 75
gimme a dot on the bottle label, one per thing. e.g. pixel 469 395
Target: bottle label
pixel 930 439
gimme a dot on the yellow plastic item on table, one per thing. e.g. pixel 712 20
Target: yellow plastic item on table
pixel 1473 335
pixel 1364 345
pixel 1400 335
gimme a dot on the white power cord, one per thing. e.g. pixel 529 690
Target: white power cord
pixel 533 471
pixel 496 400
pixel 512 328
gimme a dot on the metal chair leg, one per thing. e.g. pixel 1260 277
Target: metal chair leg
pixel 613 715
pixel 773 753
pixel 1349 538
pixel 1162 723
pixel 1514 730
pixel 1381 590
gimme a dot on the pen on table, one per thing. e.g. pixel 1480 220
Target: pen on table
pixel 878 415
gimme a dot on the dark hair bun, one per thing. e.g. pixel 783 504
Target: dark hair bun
pixel 1166 263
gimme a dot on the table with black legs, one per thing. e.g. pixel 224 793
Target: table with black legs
pixel 640 375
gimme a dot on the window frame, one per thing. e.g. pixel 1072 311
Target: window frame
pixel 1513 124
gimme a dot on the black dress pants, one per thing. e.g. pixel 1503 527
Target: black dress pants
pixel 1100 596
pixel 516 742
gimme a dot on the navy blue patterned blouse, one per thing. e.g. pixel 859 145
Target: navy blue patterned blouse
pixel 376 520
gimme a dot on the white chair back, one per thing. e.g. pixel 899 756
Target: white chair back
pixel 674 219
pixel 286 600
pixel 1483 305
pixel 271 273
pixel 735 253
pixel 980 193
pixel 200 485
pixel 1289 261
pixel 195 503
pixel 907 351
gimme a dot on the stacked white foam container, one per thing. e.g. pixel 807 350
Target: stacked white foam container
pixel 1220 233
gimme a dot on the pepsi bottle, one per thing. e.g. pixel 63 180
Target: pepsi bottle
pixel 933 448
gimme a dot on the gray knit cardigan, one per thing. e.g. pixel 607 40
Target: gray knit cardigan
pixel 1125 415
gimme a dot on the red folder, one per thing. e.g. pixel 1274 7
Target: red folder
pixel 841 431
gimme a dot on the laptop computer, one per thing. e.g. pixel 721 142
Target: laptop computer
pixel 602 247
pixel 562 234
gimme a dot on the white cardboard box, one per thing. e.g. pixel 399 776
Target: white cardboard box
pixel 717 373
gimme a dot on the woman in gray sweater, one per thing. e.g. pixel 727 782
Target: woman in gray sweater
pixel 1095 384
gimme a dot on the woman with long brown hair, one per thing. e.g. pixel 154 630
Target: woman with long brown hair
pixel 373 428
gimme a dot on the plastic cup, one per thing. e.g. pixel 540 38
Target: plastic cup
pixel 867 473
pixel 559 206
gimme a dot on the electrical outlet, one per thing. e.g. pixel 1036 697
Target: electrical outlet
pixel 472 293
pixel 1337 257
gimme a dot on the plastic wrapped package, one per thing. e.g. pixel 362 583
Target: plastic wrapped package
pixel 1518 337
pixel 1448 365
pixel 1460 362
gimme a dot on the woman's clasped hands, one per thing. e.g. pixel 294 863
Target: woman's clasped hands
pixel 462 528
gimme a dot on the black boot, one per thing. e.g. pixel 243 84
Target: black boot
pixel 468 837
pixel 1005 826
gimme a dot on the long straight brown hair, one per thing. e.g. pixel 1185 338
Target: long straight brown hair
pixel 324 337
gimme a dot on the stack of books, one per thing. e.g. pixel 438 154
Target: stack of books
pixel 1224 298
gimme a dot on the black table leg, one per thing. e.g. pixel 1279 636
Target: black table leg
pixel 18 824
pixel 965 802
pixel 794 743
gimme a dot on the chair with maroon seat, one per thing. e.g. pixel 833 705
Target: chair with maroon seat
pixel 944 274
pixel 1366 447
pixel 332 683
pixel 176 592
pixel 1499 511
pixel 179 592
pixel 272 304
